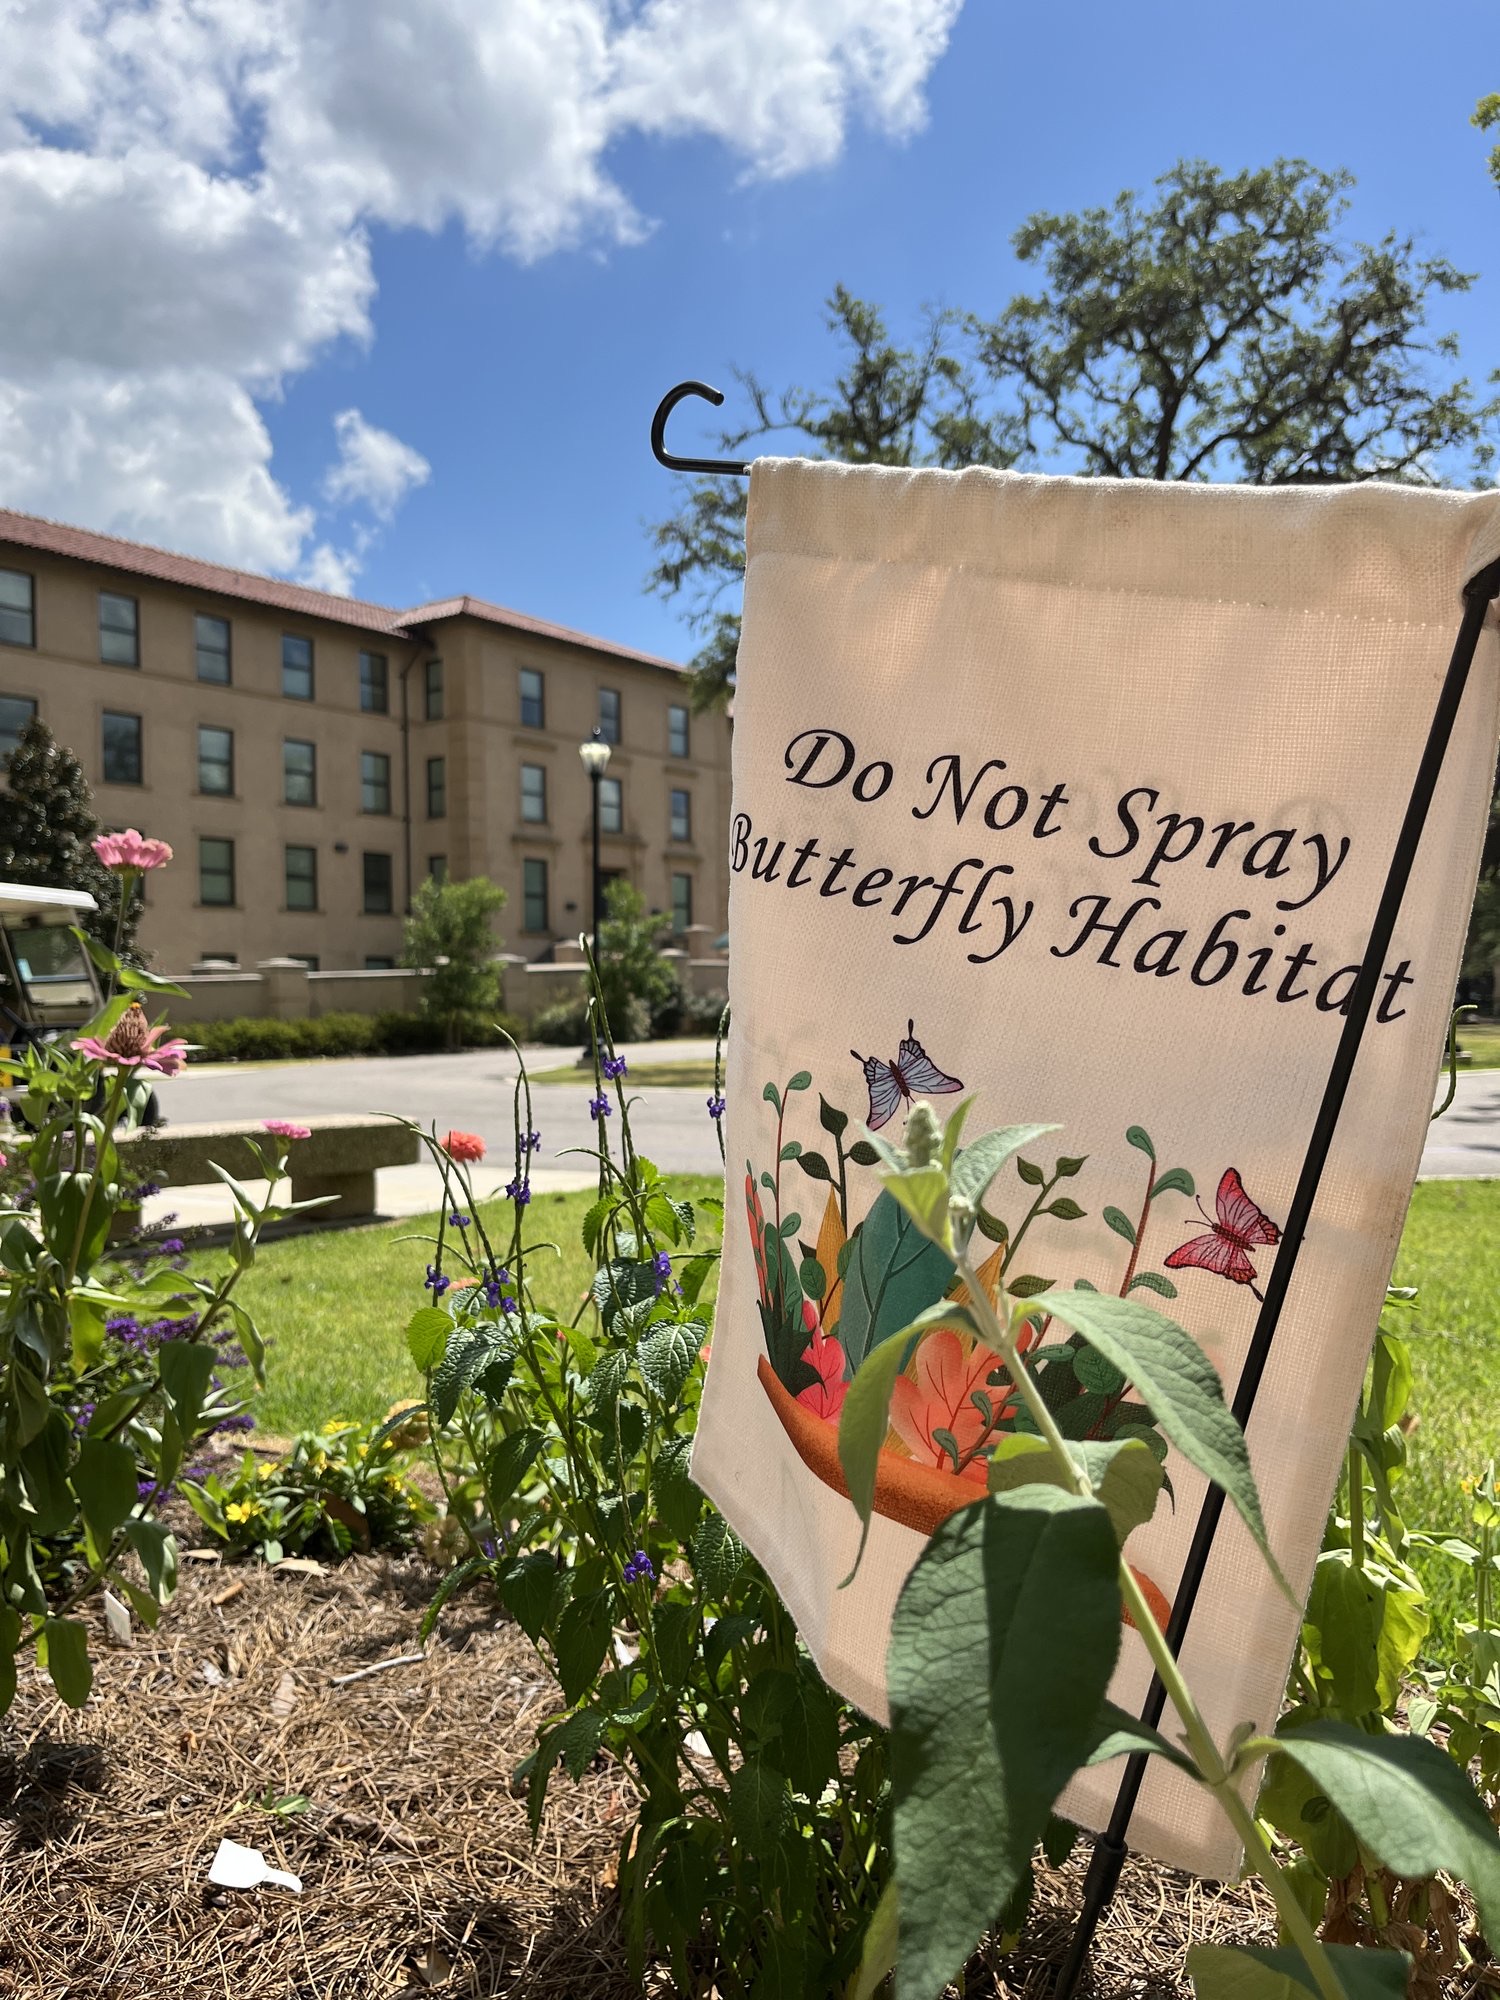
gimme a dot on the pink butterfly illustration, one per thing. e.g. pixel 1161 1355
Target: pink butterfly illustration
pixel 1240 1227
pixel 912 1074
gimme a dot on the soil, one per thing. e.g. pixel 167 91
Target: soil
pixel 391 1796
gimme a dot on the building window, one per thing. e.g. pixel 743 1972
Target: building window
pixel 309 961
pixel 677 731
pixel 432 691
pixel 215 871
pixel 534 896
pixel 16 710
pixel 216 762
pixel 534 794
pixel 682 902
pixel 533 698
pixel 437 787
pixel 119 630
pixel 437 867
pixel 379 962
pixel 122 749
pixel 374 781
pixel 611 806
pixel 609 715
pixel 296 667
pixel 211 648
pixel 682 815
pixel 377 879
pixel 374 684
pixel 18 608
pixel 302 878
pixel 299 773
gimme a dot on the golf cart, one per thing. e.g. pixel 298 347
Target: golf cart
pixel 48 985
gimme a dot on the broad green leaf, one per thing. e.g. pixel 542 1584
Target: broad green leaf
pixel 104 1480
pixel 1297 1807
pixel 877 1956
pixel 507 1465
pixel 759 1804
pixel 717 1553
pixel 923 1193
pixel 528 1590
pixel 86 1317
pixel 801 1081
pixel 893 1274
pixel 1120 1734
pixel 1408 1802
pixel 665 1358
pixel 251 1345
pixel 427 1334
pixel 1170 1371
pixel 1137 1136
pixel 677 1500
pixel 1176 1180
pixel 135 979
pixel 186 1368
pixel 1002 1645
pixel 64 1649
pixel 42 1463
pixel 583 1635
pixel 1153 1281
pixel 157 1549
pixel 1125 1475
pixel 978 1164
pixel 454 1581
pixel 1120 1223
pixel 1279 1972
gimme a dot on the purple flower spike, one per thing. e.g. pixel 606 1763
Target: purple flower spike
pixel 530 1141
pixel 613 1066
pixel 716 1106
pixel 640 1568
pixel 518 1191
pixel 661 1265
pixel 600 1106
pixel 435 1282
pixel 458 1220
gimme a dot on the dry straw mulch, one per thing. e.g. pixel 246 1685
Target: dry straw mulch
pixel 418 1869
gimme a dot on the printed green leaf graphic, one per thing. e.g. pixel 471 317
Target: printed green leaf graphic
pixel 894 1273
pixel 979 1618
pixel 1137 1136
pixel 1262 1972
pixel 1121 1224
pixel 978 1164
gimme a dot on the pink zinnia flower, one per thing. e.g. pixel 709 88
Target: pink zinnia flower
pixel 825 1397
pixel 131 850
pixel 463 1145
pixel 285 1129
pixel 133 1044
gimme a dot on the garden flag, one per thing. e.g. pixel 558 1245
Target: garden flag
pixel 1077 797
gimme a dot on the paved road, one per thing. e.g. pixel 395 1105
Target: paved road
pixel 474 1093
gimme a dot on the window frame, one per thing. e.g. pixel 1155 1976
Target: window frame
pixel 530 895
pixel 434 691
pixel 681 876
pixel 608 723
pixel 685 837
pixel 437 867
pixel 538 795
pixel 382 786
pixel 299 743
pixel 289 848
pixel 107 716
pixel 132 631
pixel 28 701
pixel 538 701
pixel 28 577
pixel 227 761
pixel 676 709
pixel 612 816
pixel 439 790
pixel 371 683
pixel 368 909
pixel 230 901
pixel 288 667
pixel 200 619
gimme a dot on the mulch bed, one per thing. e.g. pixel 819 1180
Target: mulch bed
pixel 391 1797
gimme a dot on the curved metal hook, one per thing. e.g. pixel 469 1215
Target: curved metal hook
pixel 664 409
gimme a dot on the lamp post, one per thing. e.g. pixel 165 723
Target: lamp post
pixel 595 755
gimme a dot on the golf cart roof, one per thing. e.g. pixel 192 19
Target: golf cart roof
pixel 56 906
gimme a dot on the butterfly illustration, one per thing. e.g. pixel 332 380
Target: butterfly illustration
pixel 1241 1225
pixel 912 1074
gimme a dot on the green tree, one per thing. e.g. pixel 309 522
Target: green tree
pixel 641 990
pixel 47 825
pixel 450 937
pixel 1223 328
pixel 1487 118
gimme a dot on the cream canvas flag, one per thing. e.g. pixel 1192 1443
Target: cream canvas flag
pixel 1077 796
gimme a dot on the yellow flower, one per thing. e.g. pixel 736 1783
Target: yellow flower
pixel 266 1472
pixel 238 1510
pixel 339 1424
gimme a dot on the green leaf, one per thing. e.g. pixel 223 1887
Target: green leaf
pixel 510 1461
pixel 923 1193
pixel 528 1590
pixel 801 1081
pixel 1027 1286
pixel 86 1319
pixel 877 1955
pixel 135 979
pixel 978 1164
pixel 1175 1180
pixel 1030 1173
pixel 772 1095
pixel 157 1549
pixel 1137 1136
pixel 677 1500
pixel 1120 1734
pixel 1173 1374
pixel 1019 1593
pixel 1066 1168
pixel 1096 1372
pixel 1279 1972
pixel 666 1358
pixel 454 1581
pixel 1125 1475
pixel 1407 1802
pixel 815 1166
pixel 583 1636
pixel 42 1463
pixel 1065 1209
pixel 894 1273
pixel 863 1154
pixel 718 1554
pixel 1296 1807
pixel 759 1804
pixel 472 1352
pixel 64 1648
pixel 831 1118
pixel 1121 1224
pixel 251 1345
pixel 1153 1281
pixel 104 1480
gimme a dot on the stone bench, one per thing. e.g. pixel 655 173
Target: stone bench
pixel 340 1158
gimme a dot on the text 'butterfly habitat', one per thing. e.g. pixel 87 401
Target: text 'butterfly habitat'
pixel 834 1286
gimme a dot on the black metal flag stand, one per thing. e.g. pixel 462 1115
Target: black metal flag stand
pixel 1479 593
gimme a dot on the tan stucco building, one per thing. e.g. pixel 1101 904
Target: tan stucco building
pixel 311 758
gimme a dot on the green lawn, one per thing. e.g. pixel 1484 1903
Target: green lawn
pixel 333 1307
pixel 671 1075
pixel 1480 1042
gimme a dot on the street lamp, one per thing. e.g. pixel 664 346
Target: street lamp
pixel 595 755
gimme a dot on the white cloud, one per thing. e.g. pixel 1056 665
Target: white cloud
pixel 373 468
pixel 186 188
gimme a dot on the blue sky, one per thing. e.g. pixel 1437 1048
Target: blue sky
pixel 527 386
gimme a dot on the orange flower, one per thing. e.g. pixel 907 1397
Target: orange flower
pixel 463 1146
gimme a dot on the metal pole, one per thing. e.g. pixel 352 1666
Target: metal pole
pixel 1109 1850
pixel 598 892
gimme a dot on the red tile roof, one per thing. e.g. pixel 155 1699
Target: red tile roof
pixel 31 531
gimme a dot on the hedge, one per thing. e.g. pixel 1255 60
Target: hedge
pixel 255 1040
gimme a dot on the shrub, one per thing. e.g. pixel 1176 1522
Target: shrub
pixel 631 967
pixel 449 935
pixel 566 1022
pixel 255 1039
